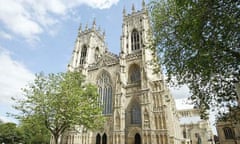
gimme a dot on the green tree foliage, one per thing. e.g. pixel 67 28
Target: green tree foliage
pixel 34 132
pixel 60 101
pixel 198 44
pixel 10 134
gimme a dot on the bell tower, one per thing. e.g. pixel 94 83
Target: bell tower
pixel 89 46
pixel 135 28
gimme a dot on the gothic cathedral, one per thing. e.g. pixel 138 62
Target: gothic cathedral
pixel 137 103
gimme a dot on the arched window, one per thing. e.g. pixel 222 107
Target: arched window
pixel 135 40
pixel 98 139
pixel 97 53
pixel 134 74
pixel 105 93
pixel 104 139
pixel 83 54
pixel 228 132
pixel 136 114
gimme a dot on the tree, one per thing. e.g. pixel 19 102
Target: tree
pixel 60 101
pixel 198 44
pixel 33 132
pixel 10 134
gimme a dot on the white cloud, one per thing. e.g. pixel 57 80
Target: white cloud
pixel 13 76
pixel 5 35
pixel 183 103
pixel 180 92
pixel 101 4
pixel 30 18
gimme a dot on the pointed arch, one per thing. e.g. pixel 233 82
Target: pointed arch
pixel 136 114
pixel 105 91
pixel 137 138
pixel 98 139
pixel 104 139
pixel 83 54
pixel 135 40
pixel 97 53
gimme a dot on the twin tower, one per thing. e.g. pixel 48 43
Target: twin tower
pixel 136 102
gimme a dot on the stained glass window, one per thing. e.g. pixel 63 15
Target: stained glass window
pixel 105 93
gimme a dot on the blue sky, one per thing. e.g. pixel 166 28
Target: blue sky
pixel 39 36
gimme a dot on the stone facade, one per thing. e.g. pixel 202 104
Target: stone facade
pixel 138 106
pixel 194 129
pixel 228 132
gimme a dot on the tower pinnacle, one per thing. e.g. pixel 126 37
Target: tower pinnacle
pixel 133 8
pixel 143 4
pixel 80 28
pixel 86 27
pixel 94 24
pixel 124 11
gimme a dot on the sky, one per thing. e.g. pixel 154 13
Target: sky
pixel 39 36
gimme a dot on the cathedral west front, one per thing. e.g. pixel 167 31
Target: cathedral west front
pixel 137 104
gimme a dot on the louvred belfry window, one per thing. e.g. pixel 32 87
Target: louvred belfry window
pixel 83 54
pixel 135 40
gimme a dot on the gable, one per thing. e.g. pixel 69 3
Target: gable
pixel 107 59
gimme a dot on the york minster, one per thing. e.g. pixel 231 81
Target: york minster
pixel 137 104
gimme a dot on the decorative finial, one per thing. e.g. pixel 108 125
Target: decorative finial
pixel 133 8
pixel 80 28
pixel 86 28
pixel 124 11
pixel 104 33
pixel 99 28
pixel 94 23
pixel 143 4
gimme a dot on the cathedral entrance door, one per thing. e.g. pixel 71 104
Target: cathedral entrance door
pixel 104 139
pixel 98 139
pixel 137 139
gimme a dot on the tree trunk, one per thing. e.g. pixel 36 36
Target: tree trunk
pixel 55 137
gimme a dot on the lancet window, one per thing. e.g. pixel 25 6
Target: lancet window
pixel 105 93
pixel 98 139
pixel 136 114
pixel 104 139
pixel 83 54
pixel 228 132
pixel 134 73
pixel 135 40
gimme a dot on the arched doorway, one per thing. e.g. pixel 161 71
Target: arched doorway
pixel 98 139
pixel 137 139
pixel 104 139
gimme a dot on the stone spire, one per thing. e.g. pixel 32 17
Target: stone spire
pixel 133 8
